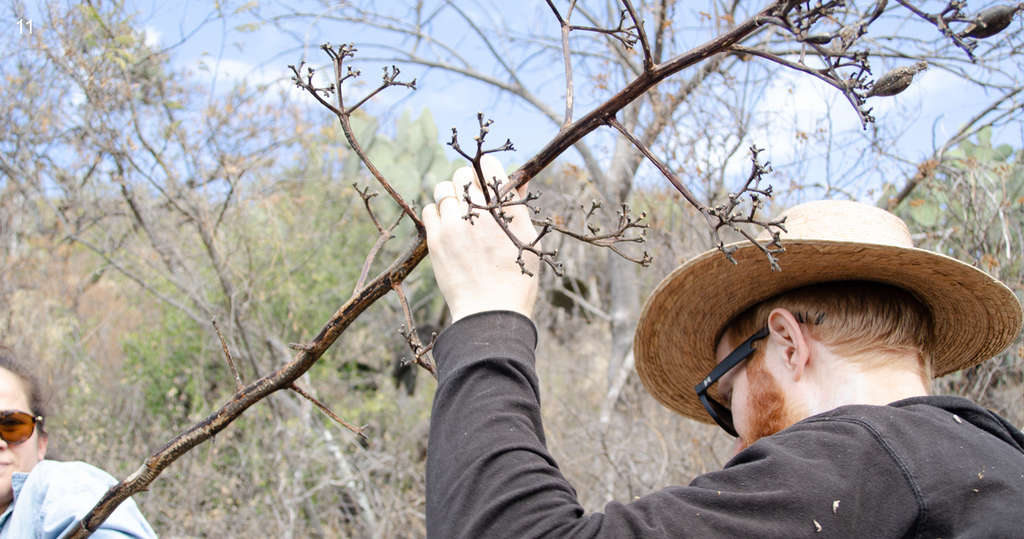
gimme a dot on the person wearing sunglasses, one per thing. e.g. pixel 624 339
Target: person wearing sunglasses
pixel 39 498
pixel 820 371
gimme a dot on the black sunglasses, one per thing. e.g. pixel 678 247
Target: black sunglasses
pixel 720 413
pixel 16 427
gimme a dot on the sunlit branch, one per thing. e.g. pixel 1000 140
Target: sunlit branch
pixel 567 58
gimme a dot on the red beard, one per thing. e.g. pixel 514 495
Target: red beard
pixel 770 411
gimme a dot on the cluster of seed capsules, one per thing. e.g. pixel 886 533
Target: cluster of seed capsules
pixel 989 22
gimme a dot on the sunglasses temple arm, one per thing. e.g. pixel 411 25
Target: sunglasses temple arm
pixel 734 357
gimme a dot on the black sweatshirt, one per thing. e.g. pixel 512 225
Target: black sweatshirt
pixel 936 467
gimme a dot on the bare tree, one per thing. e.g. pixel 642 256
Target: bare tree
pixel 632 59
pixel 634 66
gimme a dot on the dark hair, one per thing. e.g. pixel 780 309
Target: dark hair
pixel 30 382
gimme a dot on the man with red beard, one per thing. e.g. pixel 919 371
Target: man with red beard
pixel 821 371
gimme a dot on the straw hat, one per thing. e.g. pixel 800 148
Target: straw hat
pixel 974 315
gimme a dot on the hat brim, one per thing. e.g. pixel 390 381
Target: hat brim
pixel 974 315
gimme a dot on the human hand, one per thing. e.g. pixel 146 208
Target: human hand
pixel 475 264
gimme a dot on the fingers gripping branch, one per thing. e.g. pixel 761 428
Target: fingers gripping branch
pixel 499 196
pixel 496 201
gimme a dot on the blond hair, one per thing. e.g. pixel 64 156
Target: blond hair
pixel 866 321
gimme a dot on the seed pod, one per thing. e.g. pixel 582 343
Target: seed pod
pixel 896 80
pixel 818 39
pixel 991 21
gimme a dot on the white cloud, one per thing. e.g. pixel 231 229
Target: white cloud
pixel 797 104
pixel 152 36
pixel 797 107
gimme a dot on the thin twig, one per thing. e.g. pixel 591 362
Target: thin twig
pixel 567 57
pixel 645 46
pixel 389 80
pixel 662 167
pixel 826 75
pixel 609 240
pixel 227 354
pixel 419 351
pixel 623 34
pixel 941 22
pixel 323 408
pixel 725 214
pixel 383 235
pixel 338 57
pixel 729 217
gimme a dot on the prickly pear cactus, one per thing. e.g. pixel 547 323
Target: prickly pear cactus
pixel 971 205
pixel 413 161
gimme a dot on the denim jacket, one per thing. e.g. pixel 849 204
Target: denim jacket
pixel 55 495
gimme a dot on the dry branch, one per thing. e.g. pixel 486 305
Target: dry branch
pixel 280 379
pixel 227 355
pixel 310 352
pixel 789 15
pixel 633 91
pixel 419 351
pixel 323 407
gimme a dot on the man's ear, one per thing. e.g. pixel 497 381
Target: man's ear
pixel 788 336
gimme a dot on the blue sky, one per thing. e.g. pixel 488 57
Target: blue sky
pixel 224 50
pixel 222 53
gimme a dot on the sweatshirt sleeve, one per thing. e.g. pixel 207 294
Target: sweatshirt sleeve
pixel 489 473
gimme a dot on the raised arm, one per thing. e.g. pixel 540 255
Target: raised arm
pixel 489 473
